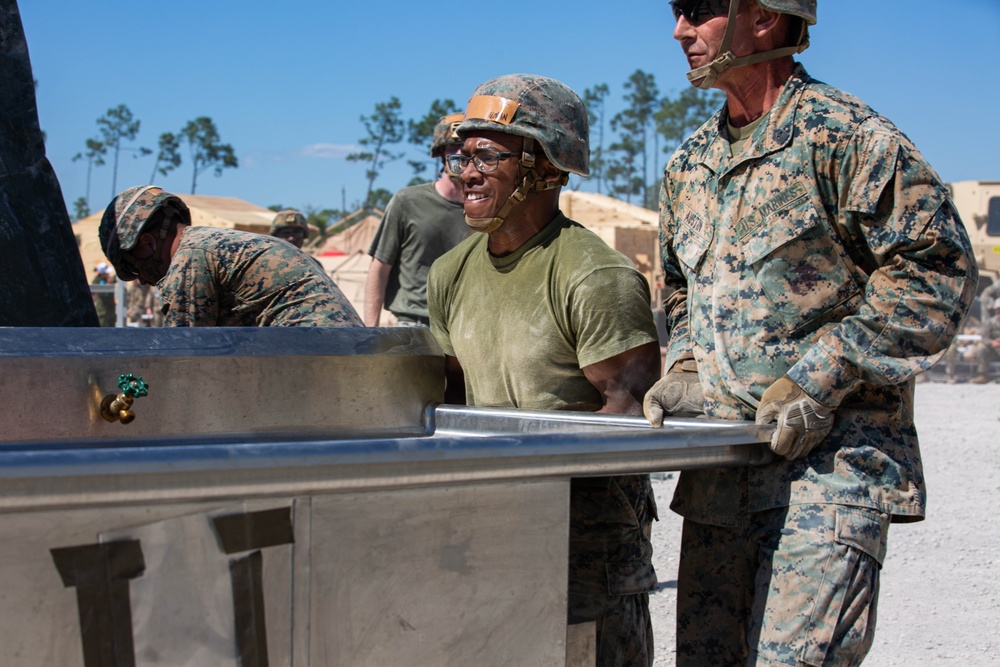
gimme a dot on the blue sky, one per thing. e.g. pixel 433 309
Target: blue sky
pixel 286 83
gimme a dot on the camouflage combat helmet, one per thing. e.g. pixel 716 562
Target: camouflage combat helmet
pixel 804 9
pixel 543 111
pixel 289 218
pixel 726 59
pixel 444 133
pixel 538 108
pixel 127 216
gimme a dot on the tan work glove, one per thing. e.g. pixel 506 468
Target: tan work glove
pixel 802 422
pixel 676 394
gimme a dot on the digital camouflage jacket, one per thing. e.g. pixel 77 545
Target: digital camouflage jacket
pixel 826 249
pixel 223 277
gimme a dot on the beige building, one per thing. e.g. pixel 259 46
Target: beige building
pixel 631 230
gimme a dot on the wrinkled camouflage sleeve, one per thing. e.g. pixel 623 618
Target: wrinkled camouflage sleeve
pixel 225 277
pixel 897 215
pixel 439 292
pixel 675 305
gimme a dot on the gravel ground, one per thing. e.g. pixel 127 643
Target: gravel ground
pixel 940 600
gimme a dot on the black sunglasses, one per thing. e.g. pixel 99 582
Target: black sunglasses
pixel 698 11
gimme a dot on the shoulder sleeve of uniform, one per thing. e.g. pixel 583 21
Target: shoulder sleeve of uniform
pixel 439 282
pixel 388 240
pixel 610 314
pixel 883 175
pixel 190 290
pixel 675 308
pixel 924 275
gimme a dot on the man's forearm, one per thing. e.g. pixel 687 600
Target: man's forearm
pixel 378 278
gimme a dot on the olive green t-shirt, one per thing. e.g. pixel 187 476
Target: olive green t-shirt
pixel 418 227
pixel 523 326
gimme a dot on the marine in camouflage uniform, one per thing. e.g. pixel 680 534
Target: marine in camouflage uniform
pixel 819 265
pixel 290 225
pixel 538 312
pixel 216 277
pixel 989 296
pixel 143 306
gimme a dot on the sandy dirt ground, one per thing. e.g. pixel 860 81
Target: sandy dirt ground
pixel 940 600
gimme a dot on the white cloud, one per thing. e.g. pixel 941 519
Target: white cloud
pixel 327 151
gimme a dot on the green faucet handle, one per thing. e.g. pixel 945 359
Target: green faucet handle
pixel 132 386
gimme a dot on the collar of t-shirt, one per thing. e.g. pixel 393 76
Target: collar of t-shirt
pixel 740 135
pixel 507 262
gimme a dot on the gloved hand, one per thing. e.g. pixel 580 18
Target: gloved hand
pixel 677 394
pixel 802 422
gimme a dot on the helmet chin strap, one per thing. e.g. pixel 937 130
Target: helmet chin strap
pixel 530 184
pixel 708 74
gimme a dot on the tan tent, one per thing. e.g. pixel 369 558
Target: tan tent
pixel 345 257
pixel 358 236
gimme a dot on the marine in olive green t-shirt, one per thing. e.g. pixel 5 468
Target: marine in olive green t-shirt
pixel 562 301
pixel 418 227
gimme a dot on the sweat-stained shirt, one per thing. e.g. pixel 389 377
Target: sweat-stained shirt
pixel 524 325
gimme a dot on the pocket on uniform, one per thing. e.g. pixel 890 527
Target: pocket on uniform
pixel 692 237
pixel 842 626
pixel 799 267
pixel 864 529
pixel 631 577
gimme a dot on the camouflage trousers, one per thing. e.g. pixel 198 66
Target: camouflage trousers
pixel 624 627
pixel 610 565
pixel 791 586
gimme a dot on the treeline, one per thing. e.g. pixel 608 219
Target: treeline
pixel 118 130
pixel 628 149
pixel 628 163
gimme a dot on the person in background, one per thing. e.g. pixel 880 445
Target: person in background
pixel 104 302
pixel 990 294
pixel 535 311
pixel 143 306
pixel 216 277
pixel 290 225
pixel 819 266
pixel 421 223
pixel 987 350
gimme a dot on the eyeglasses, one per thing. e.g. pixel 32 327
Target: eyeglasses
pixel 485 162
pixel 131 263
pixel 698 11
pixel 291 232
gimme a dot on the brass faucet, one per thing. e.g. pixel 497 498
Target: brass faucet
pixel 119 408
